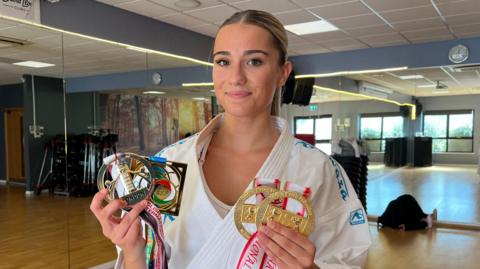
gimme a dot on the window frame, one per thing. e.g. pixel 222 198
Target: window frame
pixel 447 138
pixel 314 117
pixel 382 116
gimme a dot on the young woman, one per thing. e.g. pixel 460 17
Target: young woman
pixel 244 143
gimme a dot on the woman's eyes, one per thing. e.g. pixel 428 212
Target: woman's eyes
pixel 252 62
pixel 221 62
pixel 255 62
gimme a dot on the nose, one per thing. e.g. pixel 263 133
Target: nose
pixel 237 74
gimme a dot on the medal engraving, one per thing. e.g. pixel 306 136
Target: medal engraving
pixel 268 212
pixel 246 213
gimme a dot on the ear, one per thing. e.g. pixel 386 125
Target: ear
pixel 286 69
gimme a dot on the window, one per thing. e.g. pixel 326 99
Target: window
pixel 320 126
pixel 451 131
pixel 375 128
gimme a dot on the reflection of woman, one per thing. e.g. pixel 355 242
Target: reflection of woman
pixel 243 143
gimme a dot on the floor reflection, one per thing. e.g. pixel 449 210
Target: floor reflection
pixel 452 189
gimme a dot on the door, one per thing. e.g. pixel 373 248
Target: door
pixel 13 120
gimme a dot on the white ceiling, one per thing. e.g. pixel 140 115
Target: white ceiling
pixel 362 23
pixel 81 56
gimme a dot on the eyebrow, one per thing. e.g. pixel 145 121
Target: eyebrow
pixel 248 52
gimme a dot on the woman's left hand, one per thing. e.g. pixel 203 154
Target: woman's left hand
pixel 288 248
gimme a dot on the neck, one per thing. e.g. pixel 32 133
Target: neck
pixel 243 134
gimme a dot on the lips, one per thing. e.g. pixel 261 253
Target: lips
pixel 238 94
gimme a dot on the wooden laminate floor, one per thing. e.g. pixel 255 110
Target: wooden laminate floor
pixel 454 190
pixel 58 232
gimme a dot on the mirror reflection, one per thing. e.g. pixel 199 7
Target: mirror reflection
pixel 33 162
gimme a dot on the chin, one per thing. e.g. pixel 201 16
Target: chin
pixel 243 112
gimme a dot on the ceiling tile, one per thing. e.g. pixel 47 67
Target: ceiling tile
pixel 341 10
pixel 430 38
pixel 465 35
pixel 333 35
pixel 342 43
pixel 171 4
pixel 409 14
pixel 392 38
pixel 458 8
pixel 293 17
pixel 209 29
pixel 114 2
pixel 370 30
pixel 463 19
pixel 418 24
pixel 310 48
pixel 441 31
pixel 357 21
pixel 213 14
pixel 386 5
pixel 468 28
pixel 266 5
pixel 349 47
pixel 316 3
pixel 146 8
pixel 294 39
pixel 182 20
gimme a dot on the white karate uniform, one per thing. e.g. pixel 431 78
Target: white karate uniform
pixel 199 238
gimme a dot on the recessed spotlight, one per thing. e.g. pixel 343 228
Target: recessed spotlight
pixel 34 64
pixel 187 3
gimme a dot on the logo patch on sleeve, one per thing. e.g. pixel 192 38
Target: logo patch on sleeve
pixel 342 185
pixel 357 217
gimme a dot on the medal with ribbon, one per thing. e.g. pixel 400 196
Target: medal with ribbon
pixel 289 207
pixel 134 178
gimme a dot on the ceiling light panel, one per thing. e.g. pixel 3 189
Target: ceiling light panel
pixel 313 27
pixel 34 64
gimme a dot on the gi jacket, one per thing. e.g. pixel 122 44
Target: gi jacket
pixel 200 238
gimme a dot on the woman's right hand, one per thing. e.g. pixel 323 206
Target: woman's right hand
pixel 125 232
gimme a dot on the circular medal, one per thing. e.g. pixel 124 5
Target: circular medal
pixel 247 213
pixel 269 212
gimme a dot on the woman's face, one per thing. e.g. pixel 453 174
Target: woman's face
pixel 246 69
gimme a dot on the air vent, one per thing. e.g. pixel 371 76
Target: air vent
pixel 465 68
pixel 8 42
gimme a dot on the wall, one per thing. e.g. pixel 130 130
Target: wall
pixel 10 96
pixel 456 103
pixel 49 114
pixel 80 111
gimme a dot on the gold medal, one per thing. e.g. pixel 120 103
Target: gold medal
pixel 247 213
pixel 134 178
pixel 268 212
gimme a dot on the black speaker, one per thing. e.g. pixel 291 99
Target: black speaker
pixel 303 91
pixel 288 88
pixel 404 111
pixel 419 108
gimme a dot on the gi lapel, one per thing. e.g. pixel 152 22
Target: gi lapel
pixel 223 248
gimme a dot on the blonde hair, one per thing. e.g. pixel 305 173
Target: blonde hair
pixel 268 22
